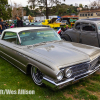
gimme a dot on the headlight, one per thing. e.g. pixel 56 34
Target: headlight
pixel 68 73
pixel 60 75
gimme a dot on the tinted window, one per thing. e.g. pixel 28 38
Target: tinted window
pixel 77 27
pixel 88 27
pixel 10 37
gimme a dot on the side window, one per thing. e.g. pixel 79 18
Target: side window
pixel 77 26
pixel 10 37
pixel 88 27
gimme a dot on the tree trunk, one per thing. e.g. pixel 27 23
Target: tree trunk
pixel 46 9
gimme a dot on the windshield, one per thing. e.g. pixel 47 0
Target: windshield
pixel 31 37
pixel 64 21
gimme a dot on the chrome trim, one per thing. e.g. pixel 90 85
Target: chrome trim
pixel 60 85
pixel 19 38
pixel 71 66
pixel 12 58
pixel 94 59
pixel 14 65
pixel 57 84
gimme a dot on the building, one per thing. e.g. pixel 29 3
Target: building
pixel 70 18
pixel 95 13
pixel 79 9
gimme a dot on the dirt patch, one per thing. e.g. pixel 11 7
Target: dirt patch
pixel 72 95
pixel 95 93
pixel 83 87
pixel 69 96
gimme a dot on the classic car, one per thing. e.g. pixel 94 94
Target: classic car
pixel 51 22
pixel 85 31
pixel 39 51
pixel 64 22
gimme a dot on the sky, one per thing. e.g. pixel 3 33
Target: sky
pixel 24 2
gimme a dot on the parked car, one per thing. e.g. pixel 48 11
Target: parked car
pixel 39 51
pixel 35 24
pixel 51 22
pixel 86 31
pixel 64 22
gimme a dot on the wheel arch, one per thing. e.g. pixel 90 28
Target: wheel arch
pixel 66 36
pixel 28 69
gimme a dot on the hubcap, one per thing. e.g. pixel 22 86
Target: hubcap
pixel 36 75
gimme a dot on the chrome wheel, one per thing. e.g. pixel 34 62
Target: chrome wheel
pixel 37 76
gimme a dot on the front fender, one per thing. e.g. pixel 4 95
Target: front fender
pixel 73 35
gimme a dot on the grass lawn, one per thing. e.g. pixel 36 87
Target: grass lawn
pixel 14 79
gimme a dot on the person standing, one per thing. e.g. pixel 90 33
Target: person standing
pixel 66 28
pixel 2 27
pixel 6 25
pixel 19 22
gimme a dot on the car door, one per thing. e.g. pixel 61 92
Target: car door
pixel 10 50
pixel 89 34
pixel 74 33
pixel 6 44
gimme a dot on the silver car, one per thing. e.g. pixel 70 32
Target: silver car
pixel 39 51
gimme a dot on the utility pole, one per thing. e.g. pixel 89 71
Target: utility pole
pixel 22 13
pixel 46 9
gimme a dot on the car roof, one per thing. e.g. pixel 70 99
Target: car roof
pixel 18 29
pixel 92 20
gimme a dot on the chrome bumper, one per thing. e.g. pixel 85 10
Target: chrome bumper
pixel 60 85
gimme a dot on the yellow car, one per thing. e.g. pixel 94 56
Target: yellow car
pixel 45 22
pixel 51 23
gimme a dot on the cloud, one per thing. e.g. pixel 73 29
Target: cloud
pixel 22 2
pixel 25 2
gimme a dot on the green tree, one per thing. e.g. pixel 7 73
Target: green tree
pixel 80 5
pixel 63 9
pixel 31 7
pixel 28 11
pixel 44 3
pixel 5 10
pixel 71 5
pixel 41 8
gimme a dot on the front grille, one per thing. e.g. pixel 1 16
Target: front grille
pixel 79 69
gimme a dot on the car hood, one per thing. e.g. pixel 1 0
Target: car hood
pixel 58 53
